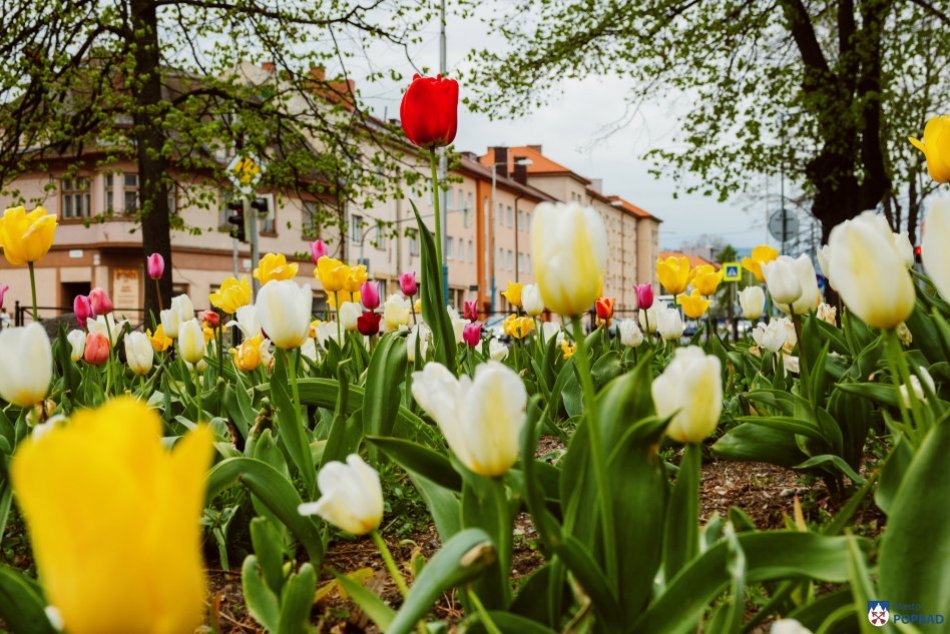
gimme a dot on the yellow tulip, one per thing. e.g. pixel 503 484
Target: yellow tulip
pixel 694 305
pixel 231 295
pixel 160 341
pixel 114 520
pixel 513 293
pixel 936 148
pixel 517 327
pixel 26 237
pixel 332 274
pixel 706 279
pixel 355 276
pixel 761 255
pixel 247 356
pixel 673 273
pixel 568 349
pixel 274 266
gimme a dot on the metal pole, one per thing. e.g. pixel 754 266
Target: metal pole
pixel 234 248
pixel 782 196
pixel 443 167
pixel 250 217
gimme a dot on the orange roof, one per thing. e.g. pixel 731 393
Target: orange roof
pixel 639 212
pixel 694 260
pixel 540 164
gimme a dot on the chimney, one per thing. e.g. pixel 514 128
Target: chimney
pixel 536 148
pixel 500 159
pixel 270 67
pixel 520 171
pixel 597 184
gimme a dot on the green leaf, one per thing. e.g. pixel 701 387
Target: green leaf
pixel 592 578
pixel 422 460
pixel 442 503
pixel 381 399
pixel 275 491
pixel 837 461
pixel 262 602
pixel 759 443
pixel 462 558
pixel 297 600
pixel 267 548
pixel 681 541
pixel 22 607
pixel 433 300
pixel 290 423
pixel 916 544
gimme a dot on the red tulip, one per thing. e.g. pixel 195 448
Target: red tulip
pixel 156 266
pixel 83 310
pixel 100 302
pixel 368 323
pixel 470 309
pixel 472 334
pixel 429 111
pixel 211 319
pixel 644 295
pixel 318 249
pixel 408 284
pixel 97 348
pixel 605 308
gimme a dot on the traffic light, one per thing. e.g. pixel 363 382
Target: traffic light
pixel 236 219
pixel 260 206
pixel 917 254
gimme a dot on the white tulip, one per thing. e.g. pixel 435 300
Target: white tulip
pixel 904 247
pixel 458 324
pixel 771 337
pixel 246 321
pixel 669 323
pixel 309 349
pixel 689 390
pixel 824 258
pixel 396 311
pixel 808 281
pixel 77 344
pixel 349 313
pixel 531 300
pixel 827 313
pixel 327 330
pixel 550 329
pixel 870 272
pixel 752 302
pixel 918 387
pixel 481 418
pixel 170 322
pixel 935 246
pixel 139 352
pixel 783 281
pixel 497 350
pixel 788 626
pixel 569 253
pixel 647 318
pixel 191 341
pixel 630 333
pixel 283 311
pixel 351 497
pixel 107 326
pixel 26 365
pixel 421 333
pixel 181 310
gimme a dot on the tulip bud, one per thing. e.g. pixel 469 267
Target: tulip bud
pixel 107 326
pixel 429 111
pixel 569 252
pixel 604 308
pixel 918 387
pixel 752 301
pixel 26 367
pixel 481 418
pixel 283 311
pixel 100 302
pixel 782 280
pixel 869 271
pixel 97 348
pixel 419 337
pixel 472 334
pixel 77 344
pixel 82 309
pixel 349 313
pixel 497 351
pixel 630 333
pixel 138 352
pixel 396 312
pixel 513 293
pixel 369 295
pixel 3 292
pixel 648 319
pixel 673 273
pixel 191 341
pixel 470 309
pixel 211 319
pixel 644 293
pixel 689 390
pixel 318 249
pixel 936 148
pixel 669 324
pixel 771 337
pixel 933 246
pixel 155 264
pixel 408 284
pixel 368 323
pixel 531 300
pixel 351 497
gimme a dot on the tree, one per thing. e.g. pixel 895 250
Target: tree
pixel 829 90
pixel 167 81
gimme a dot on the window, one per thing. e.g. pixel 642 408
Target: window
pixel 356 229
pixel 449 242
pixel 380 237
pixel 511 217
pixel 75 197
pixel 413 242
pixel 108 193
pixel 501 214
pixel 310 222
pixel 130 193
pixel 471 251
pixel 268 224
pixel 511 260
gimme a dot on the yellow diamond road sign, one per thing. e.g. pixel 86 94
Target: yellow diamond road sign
pixel 732 272
pixel 245 172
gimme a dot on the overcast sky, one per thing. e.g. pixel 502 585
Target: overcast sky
pixel 569 129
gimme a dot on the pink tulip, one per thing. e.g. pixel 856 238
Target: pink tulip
pixel 156 266
pixel 472 334
pixel 83 310
pixel 97 348
pixel 470 309
pixel 100 302
pixel 408 284
pixel 318 249
pixel 369 294
pixel 644 295
pixel 3 291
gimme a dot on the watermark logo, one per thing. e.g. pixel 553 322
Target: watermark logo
pixel 878 614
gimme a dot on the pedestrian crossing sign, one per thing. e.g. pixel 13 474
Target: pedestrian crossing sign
pixel 731 272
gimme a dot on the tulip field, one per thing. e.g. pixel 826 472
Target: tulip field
pixel 256 442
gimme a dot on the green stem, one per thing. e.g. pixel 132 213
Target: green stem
pixel 198 392
pixel 504 533
pixel 390 563
pixel 339 326
pixel 36 314
pixel 598 455
pixel 487 621
pixel 434 160
pixel 900 374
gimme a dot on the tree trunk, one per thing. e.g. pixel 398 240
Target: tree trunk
pixel 149 138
